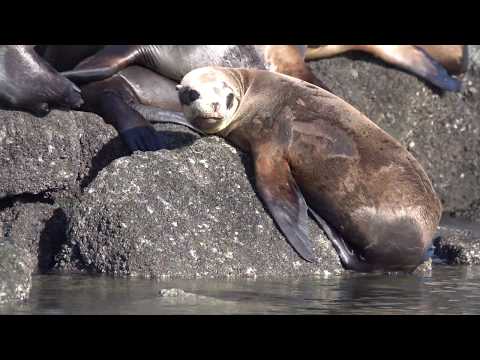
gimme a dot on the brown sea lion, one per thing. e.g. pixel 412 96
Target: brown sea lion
pixel 313 151
pixel 30 84
pixel 426 61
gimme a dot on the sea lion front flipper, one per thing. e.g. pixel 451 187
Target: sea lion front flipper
pixel 136 132
pixel 103 64
pixel 281 195
pixel 156 114
pixel 416 61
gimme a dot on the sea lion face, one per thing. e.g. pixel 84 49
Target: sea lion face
pixel 208 99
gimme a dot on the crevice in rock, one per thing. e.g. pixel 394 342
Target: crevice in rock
pixel 108 153
pixel 42 197
pixel 53 236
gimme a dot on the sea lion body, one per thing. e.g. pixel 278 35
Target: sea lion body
pixel 313 150
pixel 30 84
pixel 175 61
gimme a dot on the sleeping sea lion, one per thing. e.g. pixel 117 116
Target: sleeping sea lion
pixel 313 151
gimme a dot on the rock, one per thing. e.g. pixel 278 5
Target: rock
pixel 174 293
pixel 99 146
pixel 458 246
pixel 54 155
pixel 185 213
pixel 441 131
pixel 16 267
pixel 37 155
pixel 38 228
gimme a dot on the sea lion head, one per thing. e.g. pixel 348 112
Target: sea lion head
pixel 209 99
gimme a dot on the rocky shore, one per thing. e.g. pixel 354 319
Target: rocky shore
pixel 72 199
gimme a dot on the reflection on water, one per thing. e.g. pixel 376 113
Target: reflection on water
pixel 448 290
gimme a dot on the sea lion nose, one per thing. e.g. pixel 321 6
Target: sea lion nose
pixel 187 95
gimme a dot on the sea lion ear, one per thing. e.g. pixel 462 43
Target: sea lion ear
pixel 282 197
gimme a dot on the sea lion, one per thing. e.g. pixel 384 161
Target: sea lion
pixel 429 62
pixel 313 151
pixel 30 84
pixel 125 97
pixel 174 61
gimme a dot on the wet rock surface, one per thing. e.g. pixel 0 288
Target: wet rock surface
pixel 458 245
pixel 16 268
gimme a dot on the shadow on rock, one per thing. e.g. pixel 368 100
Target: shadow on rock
pixel 52 238
pixel 116 148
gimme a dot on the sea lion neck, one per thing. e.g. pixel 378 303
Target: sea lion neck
pixel 240 79
pixel 252 124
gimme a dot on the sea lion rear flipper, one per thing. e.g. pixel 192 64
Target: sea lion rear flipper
pixel 103 64
pixel 290 60
pixel 348 258
pixel 325 51
pixel 416 61
pixel 454 58
pixel 281 195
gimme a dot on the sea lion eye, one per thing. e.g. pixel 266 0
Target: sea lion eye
pixel 193 95
pixel 229 100
pixel 188 96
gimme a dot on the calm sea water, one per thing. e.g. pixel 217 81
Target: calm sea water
pixel 447 290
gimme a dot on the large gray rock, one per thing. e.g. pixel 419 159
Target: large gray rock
pixel 441 131
pixel 31 235
pixel 56 154
pixel 189 212
pixel 37 155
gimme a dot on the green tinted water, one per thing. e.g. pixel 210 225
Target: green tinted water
pixel 447 290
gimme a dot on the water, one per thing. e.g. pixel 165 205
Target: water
pixel 447 290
